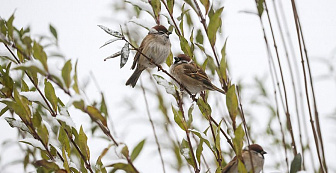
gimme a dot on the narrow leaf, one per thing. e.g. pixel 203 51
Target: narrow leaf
pixel 124 55
pixel 113 56
pixel 137 149
pixel 204 108
pixel 66 71
pixel 214 24
pixel 232 103
pixel 95 114
pixel 170 88
pixel 53 31
pixel 110 41
pixel 111 32
pixel 49 92
pixel 260 7
pixel 296 164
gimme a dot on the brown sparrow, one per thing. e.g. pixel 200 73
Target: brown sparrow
pixel 257 153
pixel 191 76
pixel 155 45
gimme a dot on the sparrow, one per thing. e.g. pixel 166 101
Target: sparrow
pixel 191 76
pixel 155 45
pixel 257 153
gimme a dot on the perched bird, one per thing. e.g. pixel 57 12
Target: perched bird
pixel 191 76
pixel 155 45
pixel 257 153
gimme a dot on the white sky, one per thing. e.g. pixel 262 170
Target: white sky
pixel 80 38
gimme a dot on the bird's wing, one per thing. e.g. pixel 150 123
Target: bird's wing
pixel 230 166
pixel 197 73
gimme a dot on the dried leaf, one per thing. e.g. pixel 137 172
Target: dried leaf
pixel 113 56
pixel 111 32
pixel 110 41
pixel 170 88
pixel 124 55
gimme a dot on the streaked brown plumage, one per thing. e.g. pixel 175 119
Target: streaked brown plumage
pixel 155 45
pixel 191 76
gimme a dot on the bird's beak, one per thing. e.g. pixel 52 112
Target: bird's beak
pixel 263 152
pixel 169 32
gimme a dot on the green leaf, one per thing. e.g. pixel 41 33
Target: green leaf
pixel 199 151
pixel 9 25
pixel 66 71
pixel 23 109
pixel 49 92
pixel 75 79
pixel 82 143
pixel 223 62
pixel 199 36
pixel 53 31
pixel 4 110
pixel 296 164
pixel 121 166
pixel 260 7
pixel 64 140
pixel 40 54
pixel 156 5
pixel 51 166
pixel 241 167
pixel 203 138
pixel 179 119
pixel 95 114
pixel 170 4
pixel 124 150
pixel 137 149
pixel 206 5
pixel 103 107
pixel 190 117
pixel 238 140
pixel 214 24
pixel 204 108
pixel 186 152
pixel 232 103
pixel 185 47
pixel 42 131
pixel 65 162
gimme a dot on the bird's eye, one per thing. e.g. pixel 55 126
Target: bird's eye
pixel 161 32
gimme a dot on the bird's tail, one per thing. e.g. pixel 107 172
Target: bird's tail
pixel 134 78
pixel 218 89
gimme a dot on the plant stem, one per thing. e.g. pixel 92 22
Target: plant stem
pixel 153 127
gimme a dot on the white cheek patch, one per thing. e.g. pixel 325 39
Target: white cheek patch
pixel 260 155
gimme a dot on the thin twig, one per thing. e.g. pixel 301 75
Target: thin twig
pixel 153 127
pixel 172 18
pixel 317 118
pixel 298 79
pixel 306 87
pixel 241 111
pixel 289 122
pixel 180 105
